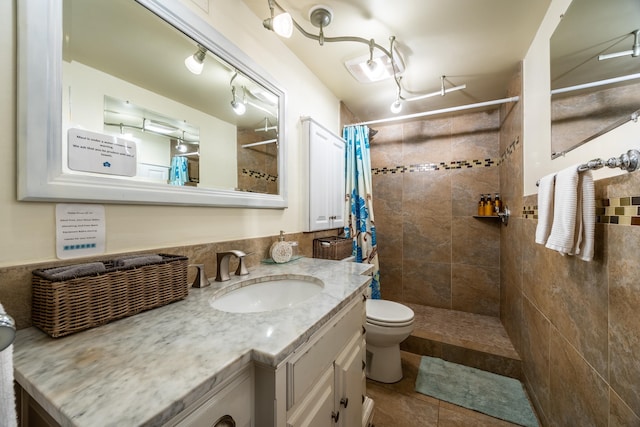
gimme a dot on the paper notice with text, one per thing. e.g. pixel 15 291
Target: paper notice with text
pixel 80 230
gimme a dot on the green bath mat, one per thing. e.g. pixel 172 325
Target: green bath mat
pixel 492 394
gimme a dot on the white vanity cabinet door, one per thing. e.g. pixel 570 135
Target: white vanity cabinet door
pixel 349 391
pixel 326 177
pixel 317 409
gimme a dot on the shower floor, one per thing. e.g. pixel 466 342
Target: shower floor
pixel 468 339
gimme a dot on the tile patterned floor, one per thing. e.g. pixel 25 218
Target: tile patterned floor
pixel 398 405
pixel 470 339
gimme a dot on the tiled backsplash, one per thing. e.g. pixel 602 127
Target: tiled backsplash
pixel 15 281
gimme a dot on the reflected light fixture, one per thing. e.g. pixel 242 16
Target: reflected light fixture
pixel 157 127
pixel 239 107
pixel 195 62
pixel 634 52
pixel 281 24
pixel 396 106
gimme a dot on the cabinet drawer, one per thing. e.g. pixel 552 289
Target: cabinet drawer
pixel 304 368
pixel 234 400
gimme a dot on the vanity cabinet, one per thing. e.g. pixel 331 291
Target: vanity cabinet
pixel 323 382
pixel 324 154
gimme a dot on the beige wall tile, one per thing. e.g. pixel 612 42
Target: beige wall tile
pixel 475 289
pixel 624 321
pixel 579 396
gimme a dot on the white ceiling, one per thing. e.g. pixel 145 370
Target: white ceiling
pixel 472 42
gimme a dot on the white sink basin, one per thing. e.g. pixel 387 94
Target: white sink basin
pixel 258 295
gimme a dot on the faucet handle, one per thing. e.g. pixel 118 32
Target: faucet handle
pixel 201 280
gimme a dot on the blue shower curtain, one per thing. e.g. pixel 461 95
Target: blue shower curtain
pixel 360 224
pixel 178 174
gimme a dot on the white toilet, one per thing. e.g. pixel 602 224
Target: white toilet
pixel 388 324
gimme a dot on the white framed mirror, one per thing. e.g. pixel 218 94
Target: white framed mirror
pixel 108 111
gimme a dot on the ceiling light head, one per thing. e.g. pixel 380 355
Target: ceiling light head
pixel 396 107
pixel 320 16
pixel 238 107
pixel 281 24
pixel 195 62
pixel 181 148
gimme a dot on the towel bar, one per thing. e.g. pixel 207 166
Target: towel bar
pixel 629 161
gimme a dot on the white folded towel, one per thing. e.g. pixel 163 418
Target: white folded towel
pixel 585 248
pixel 545 207
pixel 565 209
pixel 7 394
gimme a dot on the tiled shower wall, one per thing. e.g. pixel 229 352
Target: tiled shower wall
pixel 574 323
pixel 427 179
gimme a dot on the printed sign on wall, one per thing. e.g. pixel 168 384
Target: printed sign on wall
pixel 98 153
pixel 80 230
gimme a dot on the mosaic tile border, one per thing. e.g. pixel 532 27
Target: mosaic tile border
pixel 456 164
pixel 616 210
pixel 510 150
pixel 259 175
pixel 426 167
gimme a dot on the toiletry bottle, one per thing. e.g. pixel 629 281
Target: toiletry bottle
pixel 488 206
pixel 498 204
pixel 481 205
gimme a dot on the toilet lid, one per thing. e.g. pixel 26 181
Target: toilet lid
pixel 388 312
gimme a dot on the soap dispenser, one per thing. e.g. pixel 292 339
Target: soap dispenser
pixel 281 251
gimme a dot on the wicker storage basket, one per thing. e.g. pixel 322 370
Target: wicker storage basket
pixel 62 307
pixel 332 247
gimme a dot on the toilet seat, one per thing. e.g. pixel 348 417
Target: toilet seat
pixel 388 313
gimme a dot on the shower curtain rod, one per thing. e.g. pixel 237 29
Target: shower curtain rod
pixel 596 83
pixel 441 111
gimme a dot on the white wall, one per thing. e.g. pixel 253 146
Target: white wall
pixel 28 229
pixel 537 116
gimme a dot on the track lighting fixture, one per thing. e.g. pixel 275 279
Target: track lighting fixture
pixel 239 107
pixel 381 63
pixel 281 24
pixel 195 62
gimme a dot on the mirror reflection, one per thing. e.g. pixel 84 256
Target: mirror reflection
pixel 195 119
pixel 595 77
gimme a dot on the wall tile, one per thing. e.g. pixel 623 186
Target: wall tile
pixel 620 415
pixel 426 283
pixel 579 396
pixel 475 289
pixel 426 238
pixel 386 146
pixel 476 145
pixel 535 354
pixel 624 321
pixel 476 241
pixel 427 130
pixel 468 184
pixel 426 194
pixel 539 268
pixel 579 305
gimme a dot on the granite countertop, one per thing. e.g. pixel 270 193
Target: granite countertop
pixel 147 368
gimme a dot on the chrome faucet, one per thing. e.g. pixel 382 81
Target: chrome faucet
pixel 222 272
